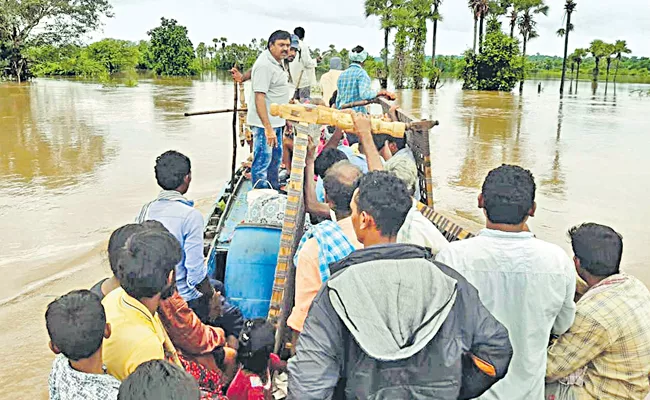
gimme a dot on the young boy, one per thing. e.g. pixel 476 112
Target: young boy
pixel 77 327
pixel 255 354
pixel 159 380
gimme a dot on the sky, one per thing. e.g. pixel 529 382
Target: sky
pixel 342 23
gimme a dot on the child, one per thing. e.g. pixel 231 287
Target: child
pixel 255 354
pixel 159 380
pixel 77 327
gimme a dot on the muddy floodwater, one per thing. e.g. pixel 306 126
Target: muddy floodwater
pixel 76 161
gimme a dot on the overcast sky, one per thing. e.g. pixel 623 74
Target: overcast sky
pixel 342 22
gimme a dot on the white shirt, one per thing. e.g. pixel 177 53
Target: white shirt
pixel 418 230
pixel 303 68
pixel 528 285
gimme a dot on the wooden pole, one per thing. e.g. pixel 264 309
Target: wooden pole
pixel 360 103
pixel 224 111
pixel 234 139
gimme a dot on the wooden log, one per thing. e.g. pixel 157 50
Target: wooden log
pixel 321 115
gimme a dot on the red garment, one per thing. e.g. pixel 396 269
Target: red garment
pixel 209 381
pixel 248 386
pixel 186 331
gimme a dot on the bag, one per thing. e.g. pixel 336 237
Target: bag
pixel 265 207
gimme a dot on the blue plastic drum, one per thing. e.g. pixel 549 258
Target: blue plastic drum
pixel 250 268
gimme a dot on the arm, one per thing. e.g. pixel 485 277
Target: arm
pixel 261 82
pixel 582 343
pixel 315 370
pixel 334 141
pixel 308 283
pixel 186 330
pixel 490 351
pixel 565 318
pixel 197 271
pixel 362 128
pixel 239 77
pixel 312 205
pixel 365 88
pixel 307 61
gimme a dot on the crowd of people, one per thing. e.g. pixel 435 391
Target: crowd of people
pixel 385 307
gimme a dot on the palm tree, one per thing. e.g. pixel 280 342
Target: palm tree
pixel 621 48
pixel 610 52
pixel 435 17
pixel 569 8
pixel 384 10
pixel 577 57
pixel 527 24
pixel 472 4
pixel 597 48
pixel 480 10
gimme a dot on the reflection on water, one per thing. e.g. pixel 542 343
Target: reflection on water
pixel 45 141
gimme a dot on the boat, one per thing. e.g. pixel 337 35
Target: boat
pixel 230 208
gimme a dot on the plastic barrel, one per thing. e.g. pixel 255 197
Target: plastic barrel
pixel 250 268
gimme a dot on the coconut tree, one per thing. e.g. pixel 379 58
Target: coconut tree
pixel 480 9
pixel 527 26
pixel 621 48
pixel 435 18
pixel 513 15
pixel 569 8
pixel 598 50
pixel 384 10
pixel 609 51
pixel 577 57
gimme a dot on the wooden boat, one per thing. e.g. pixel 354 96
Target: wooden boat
pixel 230 208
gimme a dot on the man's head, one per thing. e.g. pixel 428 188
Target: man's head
pixel 173 171
pixel 394 144
pixel 300 32
pixel 379 207
pixel 159 380
pixel 598 250
pixel 339 184
pixel 146 263
pixel 508 195
pixel 293 49
pixel 121 235
pixel 404 169
pixel 77 325
pixel 336 64
pixel 279 44
pixel 327 159
pixel 358 55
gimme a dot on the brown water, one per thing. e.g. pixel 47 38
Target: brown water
pixel 76 161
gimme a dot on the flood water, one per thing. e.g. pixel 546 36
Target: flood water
pixel 76 161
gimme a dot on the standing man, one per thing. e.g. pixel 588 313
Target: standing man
pixel 354 84
pixel 329 79
pixel 270 81
pixel 303 68
pixel 528 284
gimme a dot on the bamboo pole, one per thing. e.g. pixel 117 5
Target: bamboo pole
pixel 234 139
pixel 224 111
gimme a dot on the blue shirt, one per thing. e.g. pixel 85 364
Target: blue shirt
pixel 359 161
pixel 354 84
pixel 186 224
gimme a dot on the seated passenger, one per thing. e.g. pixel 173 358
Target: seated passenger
pixel 391 324
pixel 145 270
pixel 326 242
pixel 606 352
pixel 177 213
pixel 77 327
pixel 196 341
pixel 159 380
pixel 322 163
pixel 417 229
pixel 528 284
pixel 254 379
pixel 398 150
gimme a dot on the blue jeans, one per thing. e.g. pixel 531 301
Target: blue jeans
pixel 266 160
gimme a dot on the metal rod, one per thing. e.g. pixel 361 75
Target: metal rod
pixel 227 110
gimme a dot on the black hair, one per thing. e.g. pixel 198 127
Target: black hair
pixel 278 35
pixel 358 49
pixel 256 343
pixel 300 32
pixel 381 139
pixel 121 235
pixel 598 247
pixel 339 184
pixel 146 261
pixel 159 380
pixel 171 169
pixel 335 95
pixel 508 194
pixel 326 159
pixel 386 199
pixel 76 324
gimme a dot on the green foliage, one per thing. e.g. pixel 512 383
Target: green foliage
pixel 498 67
pixel 171 49
pixel 115 55
pixel 41 22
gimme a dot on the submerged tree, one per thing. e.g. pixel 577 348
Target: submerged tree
pixel 384 10
pixel 621 48
pixel 610 52
pixel 45 22
pixel 171 49
pixel 498 67
pixel 569 8
pixel 577 57
pixel 598 50
pixel 527 26
pixel 434 76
